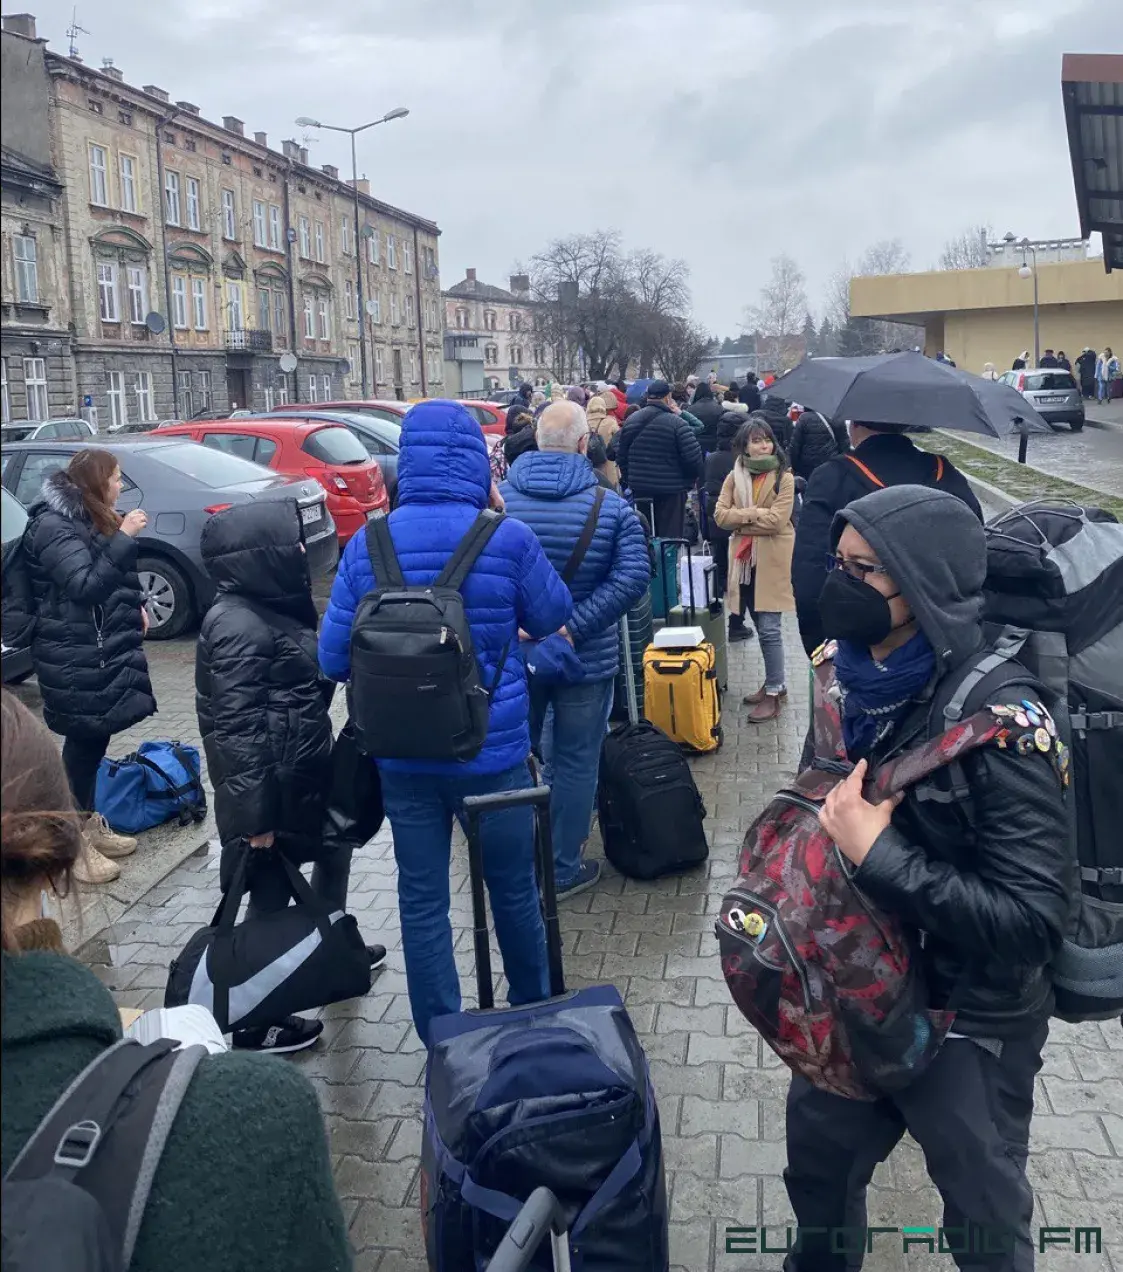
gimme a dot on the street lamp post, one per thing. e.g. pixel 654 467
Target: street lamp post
pixel 1030 271
pixel 399 112
pixel 161 124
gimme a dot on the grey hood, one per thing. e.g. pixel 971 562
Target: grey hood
pixel 935 548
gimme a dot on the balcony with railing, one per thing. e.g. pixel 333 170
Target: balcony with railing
pixel 248 340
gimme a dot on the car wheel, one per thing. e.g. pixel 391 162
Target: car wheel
pixel 167 598
pixel 1076 425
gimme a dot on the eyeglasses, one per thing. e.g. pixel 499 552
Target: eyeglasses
pixel 856 569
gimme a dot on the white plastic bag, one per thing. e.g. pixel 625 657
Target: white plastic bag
pixel 700 567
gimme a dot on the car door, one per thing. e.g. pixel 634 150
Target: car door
pixel 241 444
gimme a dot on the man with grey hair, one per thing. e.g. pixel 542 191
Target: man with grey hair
pixel 595 541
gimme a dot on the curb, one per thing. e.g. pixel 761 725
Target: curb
pixel 991 494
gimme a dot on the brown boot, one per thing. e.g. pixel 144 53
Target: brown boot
pixel 752 699
pixel 768 708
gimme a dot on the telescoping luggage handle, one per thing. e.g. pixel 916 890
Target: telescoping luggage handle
pixel 629 671
pixel 475 806
pixel 541 1214
pixel 674 543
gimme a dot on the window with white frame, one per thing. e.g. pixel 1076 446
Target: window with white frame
pixel 279 313
pixel 489 319
pixel 99 180
pixel 203 384
pixel 274 227
pixel 264 308
pixel 179 301
pixel 172 209
pixel 126 168
pixel 184 394
pixel 319 237
pixel 35 382
pixel 395 313
pixel 26 255
pixel 391 252
pixel 309 319
pixel 107 292
pixel 414 377
pixel 234 311
pixel 229 215
pixel 305 238
pixel 322 321
pixel 410 316
pixel 376 311
pixel 283 393
pixel 145 410
pixel 514 321
pixel 491 355
pixel 349 299
pixel 325 387
pixel 353 358
pixel 194 205
pixel 5 401
pixel 118 406
pixel 407 258
pixel 378 374
pixel 373 247
pixel 199 303
pixel 258 223
pixel 136 280
pixel 462 319
pixel 516 355
pixel 345 235
pixel 313 389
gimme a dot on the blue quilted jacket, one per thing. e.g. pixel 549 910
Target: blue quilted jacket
pixel 553 492
pixel 443 482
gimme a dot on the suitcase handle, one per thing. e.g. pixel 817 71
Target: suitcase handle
pixel 540 1214
pixel 672 669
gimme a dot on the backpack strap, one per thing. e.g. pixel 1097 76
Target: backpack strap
pixel 107 1131
pixel 569 573
pixel 383 555
pixel 185 806
pixel 872 477
pixel 468 549
pixel 1007 647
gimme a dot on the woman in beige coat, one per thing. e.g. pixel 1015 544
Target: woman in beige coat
pixel 606 427
pixel 755 506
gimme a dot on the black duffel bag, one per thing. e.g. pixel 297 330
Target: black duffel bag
pixel 252 974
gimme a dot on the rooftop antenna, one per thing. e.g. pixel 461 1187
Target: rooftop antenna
pixel 73 31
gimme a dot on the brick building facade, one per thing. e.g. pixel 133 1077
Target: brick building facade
pixel 507 327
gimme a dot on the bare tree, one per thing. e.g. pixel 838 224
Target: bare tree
pixel 967 250
pixel 778 317
pixel 680 345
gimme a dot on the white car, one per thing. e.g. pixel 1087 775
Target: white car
pixel 46 430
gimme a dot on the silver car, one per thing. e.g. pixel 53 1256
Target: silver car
pixel 45 430
pixel 1053 392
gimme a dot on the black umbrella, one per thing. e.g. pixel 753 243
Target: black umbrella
pixel 909 389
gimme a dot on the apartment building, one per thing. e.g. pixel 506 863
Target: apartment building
pixel 507 326
pixel 200 262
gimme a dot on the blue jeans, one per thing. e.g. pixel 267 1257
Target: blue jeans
pixel 770 633
pixel 421 808
pixel 570 745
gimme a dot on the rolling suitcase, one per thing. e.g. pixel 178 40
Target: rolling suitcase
pixel 709 616
pixel 664 586
pixel 555 1094
pixel 636 630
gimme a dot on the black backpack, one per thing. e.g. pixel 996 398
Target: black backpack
pixel 415 691
pixel 74 1198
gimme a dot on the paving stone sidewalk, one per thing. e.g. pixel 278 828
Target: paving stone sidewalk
pixel 720 1090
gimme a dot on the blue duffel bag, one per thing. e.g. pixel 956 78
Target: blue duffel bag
pixel 554 1095
pixel 159 781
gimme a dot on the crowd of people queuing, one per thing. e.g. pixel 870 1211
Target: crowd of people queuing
pixel 783 497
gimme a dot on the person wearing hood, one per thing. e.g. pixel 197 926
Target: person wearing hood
pixel 777 414
pixel 709 410
pixel 262 706
pixel 983 877
pixel 660 459
pixel 87 646
pixel 882 455
pixel 814 441
pixel 1021 361
pixel 616 399
pixel 553 491
pixel 989 371
pixel 1086 371
pixel 604 425
pixel 519 403
pixel 444 483
pixel 719 464
pixel 578 395
pixel 1062 360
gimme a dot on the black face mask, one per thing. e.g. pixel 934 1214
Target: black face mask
pixel 852 610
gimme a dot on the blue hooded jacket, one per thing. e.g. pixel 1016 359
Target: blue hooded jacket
pixel 552 492
pixel 444 478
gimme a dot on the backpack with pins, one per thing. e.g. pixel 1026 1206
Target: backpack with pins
pixel 415 691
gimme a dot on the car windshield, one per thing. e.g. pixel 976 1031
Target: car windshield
pixel 384 430
pixel 13 518
pixel 209 467
pixel 336 445
pixel 1044 381
pixel 18 432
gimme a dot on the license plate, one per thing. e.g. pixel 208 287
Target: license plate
pixel 308 515
pixel 1051 401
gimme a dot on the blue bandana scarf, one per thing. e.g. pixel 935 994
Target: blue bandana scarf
pixel 876 694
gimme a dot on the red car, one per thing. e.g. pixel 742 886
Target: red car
pixel 330 453
pixel 379 408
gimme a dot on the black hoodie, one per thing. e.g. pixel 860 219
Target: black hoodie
pixel 709 410
pixel 259 694
pixel 988 876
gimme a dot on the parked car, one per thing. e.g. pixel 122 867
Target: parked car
pixel 491 416
pixel 382 438
pixel 45 430
pixel 323 449
pixel 179 484
pixel 15 646
pixel 1054 394
pixel 387 409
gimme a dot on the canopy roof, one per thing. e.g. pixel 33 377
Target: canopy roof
pixel 1092 85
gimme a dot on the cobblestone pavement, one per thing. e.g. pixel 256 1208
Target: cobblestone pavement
pixel 720 1090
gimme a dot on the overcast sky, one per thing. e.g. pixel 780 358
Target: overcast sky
pixel 721 131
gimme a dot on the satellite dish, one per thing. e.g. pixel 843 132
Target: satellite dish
pixel 155 323
pixel 371 307
pixel 344 366
pixel 288 363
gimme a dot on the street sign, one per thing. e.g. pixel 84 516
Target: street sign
pixel 88 400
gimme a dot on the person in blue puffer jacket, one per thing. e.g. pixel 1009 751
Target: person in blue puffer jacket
pixel 444 481
pixel 553 490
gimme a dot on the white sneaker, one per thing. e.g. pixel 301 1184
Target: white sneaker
pixel 106 840
pixel 92 867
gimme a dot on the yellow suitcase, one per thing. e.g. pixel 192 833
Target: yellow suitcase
pixel 681 695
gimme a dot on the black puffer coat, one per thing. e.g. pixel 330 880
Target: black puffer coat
pixel 261 700
pixel 658 453
pixel 775 411
pixel 813 443
pixel 88 647
pixel 709 410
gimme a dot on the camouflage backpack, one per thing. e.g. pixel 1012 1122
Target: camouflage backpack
pixel 827 979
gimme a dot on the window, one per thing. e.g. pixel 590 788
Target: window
pixel 407 258
pixel 229 215
pixel 186 401
pixel 179 301
pixel 138 294
pixel 27 269
pixel 37 467
pixel 372 247
pixel 199 303
pixel 144 407
pixel 194 207
pixel 264 309
pixel 210 467
pixel 118 407
pixel 35 382
pixel 516 355
pixel 491 355
pixel 309 320
pixel 345 235
pixel 264 451
pixel 322 319
pixel 489 319
pixel 305 238
pixel 313 389
pixel 127 171
pixel 99 183
pixel 258 223
pixel 320 242
pixel 462 319
pixel 349 299
pixel 203 384
pixel 378 374
pixel 107 292
pixel 353 358
pixel 279 313
pixel 376 312
pixel 391 253
pixel 274 227
pixel 325 386
pixel 171 198
pixel 234 306
pixel 283 393
pixel 410 316
pixel 395 314
pixel 539 355
pixel 413 366
pixel 514 321
pixel 334 444
pixel 5 401
pixel 241 444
